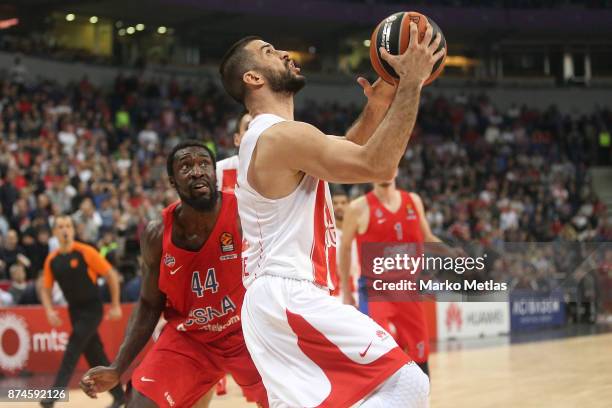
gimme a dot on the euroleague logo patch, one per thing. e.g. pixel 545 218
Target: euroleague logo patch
pixel 227 242
pixel 411 213
pixel 169 260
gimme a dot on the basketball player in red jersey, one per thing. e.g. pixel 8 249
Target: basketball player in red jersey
pixel 387 214
pixel 340 201
pixel 226 181
pixel 227 168
pixel 311 350
pixel 191 272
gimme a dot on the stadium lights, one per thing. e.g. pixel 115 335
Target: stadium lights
pixel 161 30
pixel 93 19
pixel 366 43
pixel 70 17
pixel 130 30
pixel 140 27
pixel 4 24
pixel 121 32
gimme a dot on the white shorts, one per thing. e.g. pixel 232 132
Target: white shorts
pixel 310 349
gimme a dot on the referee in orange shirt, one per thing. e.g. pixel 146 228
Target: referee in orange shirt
pixel 76 266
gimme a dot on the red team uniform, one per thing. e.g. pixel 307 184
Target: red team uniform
pixel 203 338
pixel 408 318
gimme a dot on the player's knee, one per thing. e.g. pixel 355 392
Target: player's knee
pixel 416 381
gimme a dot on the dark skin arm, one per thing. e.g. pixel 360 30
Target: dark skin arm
pixel 142 321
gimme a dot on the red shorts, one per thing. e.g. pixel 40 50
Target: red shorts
pixel 179 369
pixel 407 323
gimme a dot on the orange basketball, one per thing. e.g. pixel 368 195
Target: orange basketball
pixel 393 33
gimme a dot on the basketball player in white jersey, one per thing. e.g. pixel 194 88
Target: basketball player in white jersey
pixel 311 350
pixel 227 168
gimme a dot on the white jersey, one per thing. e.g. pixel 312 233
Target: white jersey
pixel 292 237
pixel 226 173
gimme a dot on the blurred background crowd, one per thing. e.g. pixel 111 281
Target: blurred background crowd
pixel 99 154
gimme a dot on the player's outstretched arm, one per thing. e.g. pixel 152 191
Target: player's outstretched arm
pixel 143 320
pixel 300 147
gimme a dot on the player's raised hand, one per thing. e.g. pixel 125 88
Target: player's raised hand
pixel 380 93
pixel 416 63
pixel 99 379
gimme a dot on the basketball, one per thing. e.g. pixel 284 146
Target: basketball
pixel 393 33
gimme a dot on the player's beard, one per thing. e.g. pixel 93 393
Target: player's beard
pixel 286 81
pixel 200 203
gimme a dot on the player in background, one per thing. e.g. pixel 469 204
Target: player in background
pixel 191 273
pixel 227 168
pixel 387 214
pixel 310 349
pixel 340 202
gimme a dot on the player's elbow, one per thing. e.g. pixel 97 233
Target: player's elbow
pixel 368 169
pixel 382 172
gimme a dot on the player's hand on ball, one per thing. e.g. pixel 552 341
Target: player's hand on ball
pixel 99 379
pixel 416 63
pixel 380 93
pixel 114 313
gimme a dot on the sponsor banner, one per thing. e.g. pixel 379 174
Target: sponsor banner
pixel 29 342
pixel 461 320
pixel 530 310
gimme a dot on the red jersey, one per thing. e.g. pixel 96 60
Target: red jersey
pixel 404 319
pixel 385 226
pixel 203 288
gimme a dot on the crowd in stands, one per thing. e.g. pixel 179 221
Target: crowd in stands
pixel 99 154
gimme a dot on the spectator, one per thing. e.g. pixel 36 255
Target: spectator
pixel 12 253
pixel 18 282
pixel 18 72
pixel 88 221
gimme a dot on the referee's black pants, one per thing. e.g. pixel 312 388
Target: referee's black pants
pixel 84 339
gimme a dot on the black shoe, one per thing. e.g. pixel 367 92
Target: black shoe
pixel 47 403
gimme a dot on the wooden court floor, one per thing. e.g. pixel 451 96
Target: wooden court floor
pixel 573 372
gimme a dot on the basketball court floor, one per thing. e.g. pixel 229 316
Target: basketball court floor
pixel 569 367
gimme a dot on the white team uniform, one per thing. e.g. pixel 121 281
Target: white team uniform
pixel 227 173
pixel 311 350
